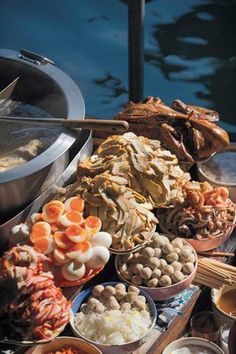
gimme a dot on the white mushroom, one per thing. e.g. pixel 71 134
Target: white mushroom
pixel 188 268
pixel 157 252
pixel 177 242
pixel 176 265
pixel 97 290
pixel 167 248
pixel 109 291
pixel 152 283
pixel 112 303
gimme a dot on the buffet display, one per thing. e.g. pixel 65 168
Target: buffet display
pixel 132 197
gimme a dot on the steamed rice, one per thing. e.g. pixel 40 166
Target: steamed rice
pixel 113 327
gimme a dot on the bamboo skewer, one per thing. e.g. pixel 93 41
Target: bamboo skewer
pixel 214 274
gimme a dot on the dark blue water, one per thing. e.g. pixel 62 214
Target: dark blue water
pixel 190 48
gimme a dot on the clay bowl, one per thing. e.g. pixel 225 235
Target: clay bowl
pixel 204 244
pixel 165 292
pixel 61 342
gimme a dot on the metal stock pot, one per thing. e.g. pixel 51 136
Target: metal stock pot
pixel 43 85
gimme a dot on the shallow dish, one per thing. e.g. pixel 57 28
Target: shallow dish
pixel 61 342
pixel 165 292
pixel 203 343
pixel 106 348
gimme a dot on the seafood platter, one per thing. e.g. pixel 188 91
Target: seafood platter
pixel 136 216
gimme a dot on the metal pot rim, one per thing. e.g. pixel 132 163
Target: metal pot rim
pixel 76 109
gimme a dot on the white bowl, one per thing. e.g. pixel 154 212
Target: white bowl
pixel 61 342
pixel 221 316
pixel 183 342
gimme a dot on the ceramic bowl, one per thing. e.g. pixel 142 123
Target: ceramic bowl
pixel 187 342
pixel 165 292
pixel 61 342
pixel 220 315
pixel 106 348
pixel 204 244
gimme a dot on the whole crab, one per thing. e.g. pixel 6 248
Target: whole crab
pixel 188 131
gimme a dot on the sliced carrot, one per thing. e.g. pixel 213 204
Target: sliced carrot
pixel 44 245
pixel 93 223
pixel 71 218
pixel 74 204
pixel 75 233
pixel 40 229
pixel 62 240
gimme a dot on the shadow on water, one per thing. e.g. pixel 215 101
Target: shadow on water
pixel 200 47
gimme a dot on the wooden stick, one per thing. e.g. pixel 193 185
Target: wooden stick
pixel 216 254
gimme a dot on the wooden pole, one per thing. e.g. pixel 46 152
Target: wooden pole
pixel 136 10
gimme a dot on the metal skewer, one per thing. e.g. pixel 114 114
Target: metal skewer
pixel 86 124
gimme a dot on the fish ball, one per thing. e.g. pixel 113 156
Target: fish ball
pixel 165 280
pixel 152 283
pixel 176 265
pixel 191 258
pixel 140 304
pixel 112 303
pixel 92 302
pixel 177 242
pixel 133 289
pixel 153 263
pixel 99 308
pixel 148 252
pixel 137 268
pixel 126 306
pixel 97 290
pixel 146 273
pixel 157 252
pixel 188 267
pixel 177 276
pixel 177 250
pixel 167 248
pixel 120 287
pixel 123 268
pixel 120 294
pixel 136 279
pixel 167 270
pixel 109 291
pixel 163 263
pixel 171 257
pixel 131 297
pixel 156 273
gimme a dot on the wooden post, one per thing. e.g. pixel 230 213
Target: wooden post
pixel 136 10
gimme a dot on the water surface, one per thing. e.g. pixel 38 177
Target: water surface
pixel 190 49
